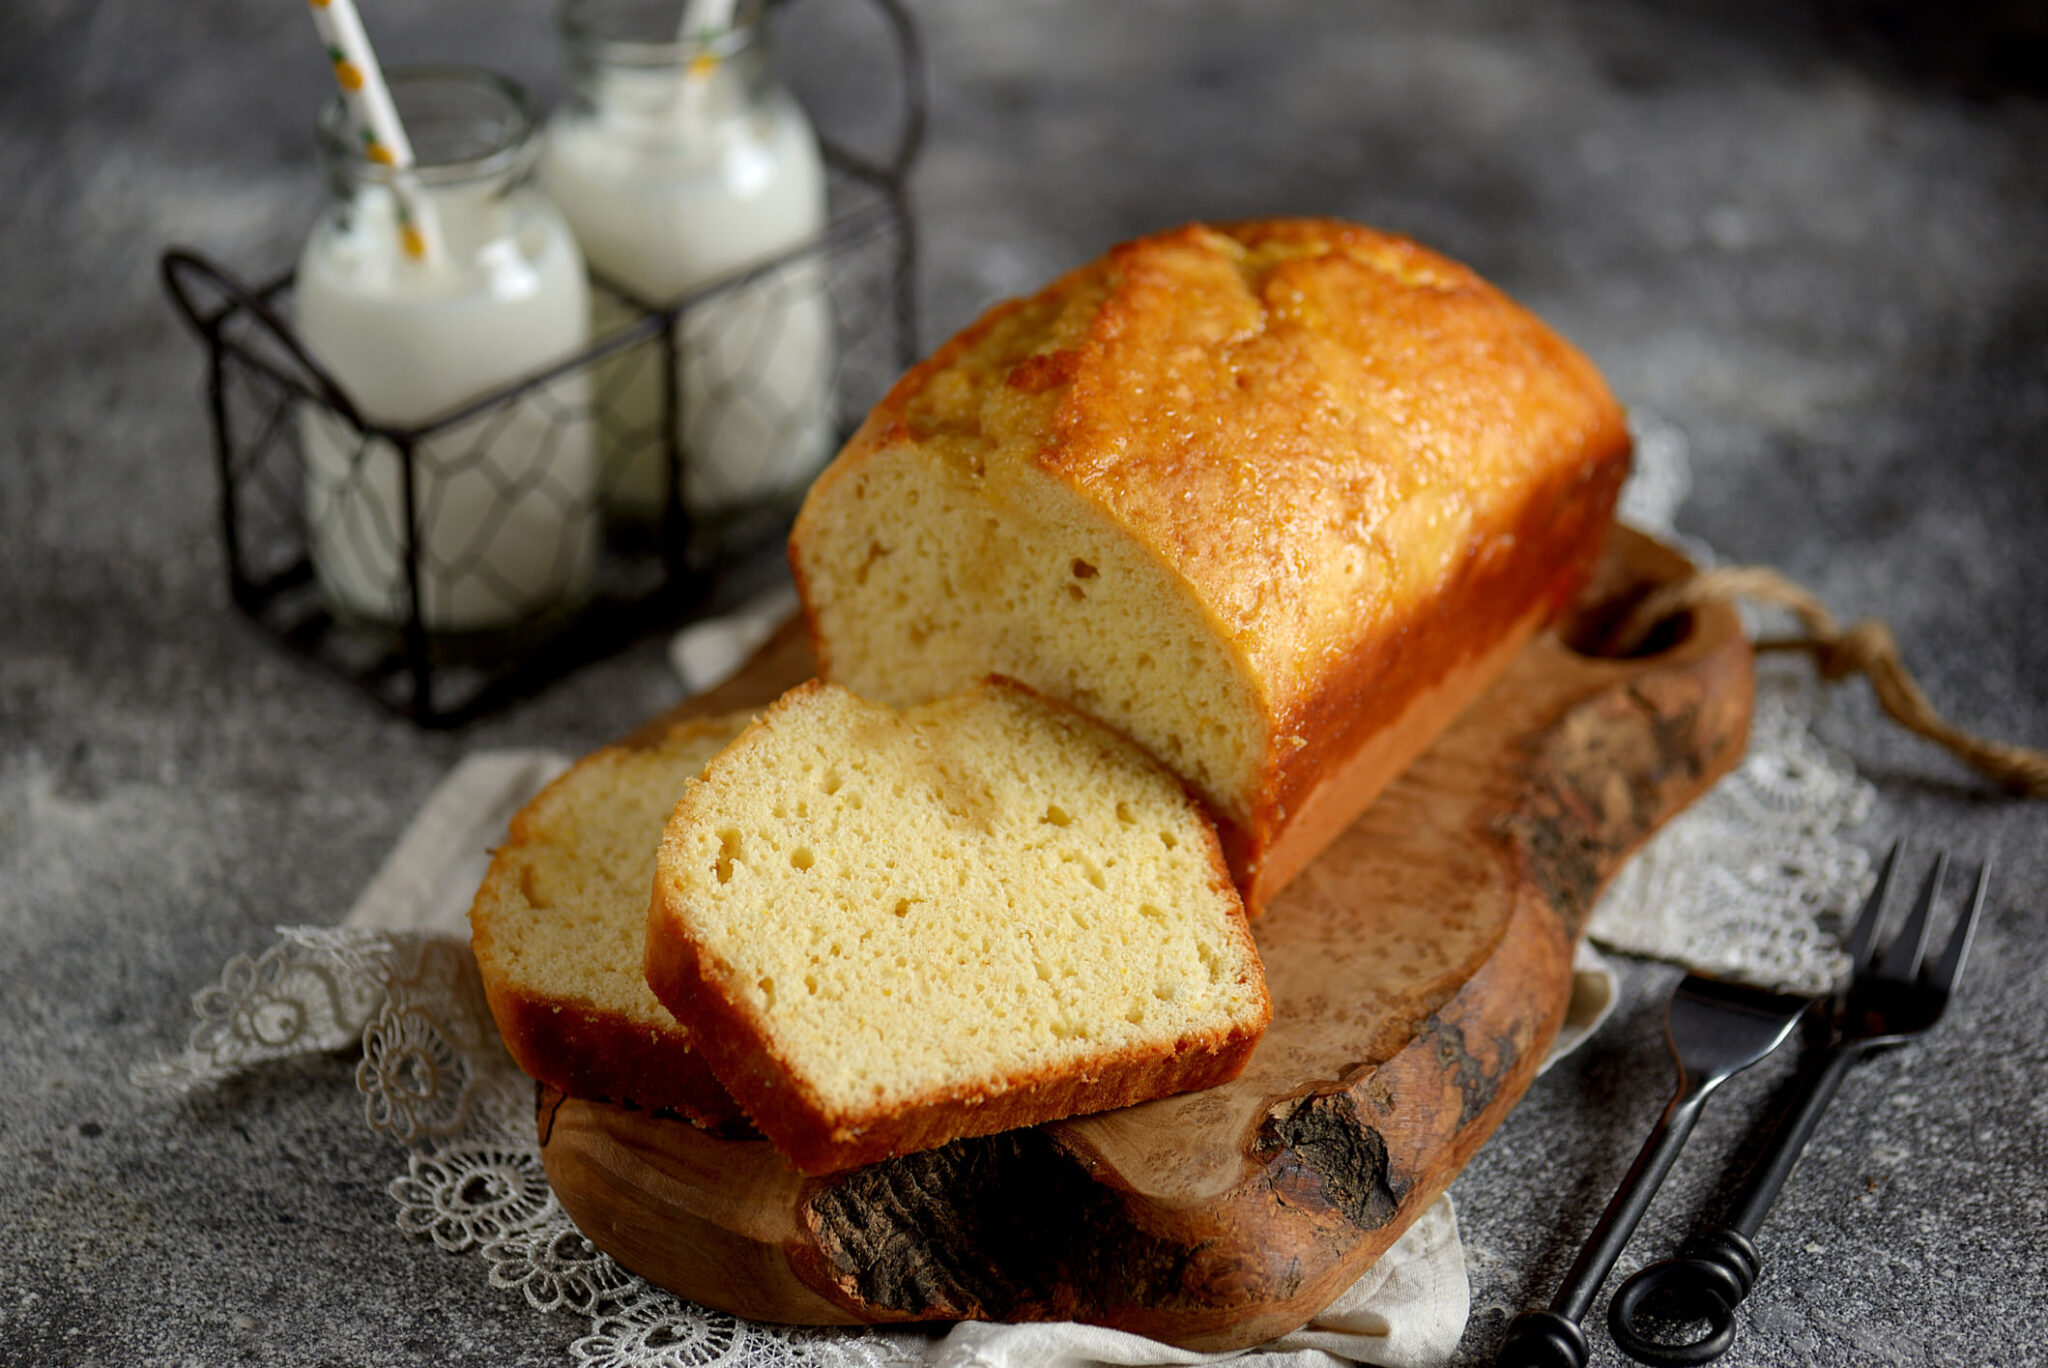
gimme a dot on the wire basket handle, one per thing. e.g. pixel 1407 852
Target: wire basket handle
pixel 915 75
pixel 197 285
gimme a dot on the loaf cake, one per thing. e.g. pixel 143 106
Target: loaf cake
pixel 1276 500
pixel 889 930
pixel 559 922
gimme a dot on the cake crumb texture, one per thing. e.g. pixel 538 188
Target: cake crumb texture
pixel 884 925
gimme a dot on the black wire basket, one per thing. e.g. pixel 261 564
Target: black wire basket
pixel 265 391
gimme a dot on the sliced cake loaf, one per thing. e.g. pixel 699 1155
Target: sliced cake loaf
pixel 559 924
pixel 890 930
pixel 1275 499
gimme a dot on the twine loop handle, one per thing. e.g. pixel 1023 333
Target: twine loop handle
pixel 1865 647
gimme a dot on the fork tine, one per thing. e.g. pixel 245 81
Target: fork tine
pixel 1946 970
pixel 1902 961
pixel 1865 932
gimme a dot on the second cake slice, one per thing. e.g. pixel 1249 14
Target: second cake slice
pixel 889 930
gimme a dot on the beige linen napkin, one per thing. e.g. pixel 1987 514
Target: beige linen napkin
pixel 430 877
pixel 1406 1312
pixel 705 654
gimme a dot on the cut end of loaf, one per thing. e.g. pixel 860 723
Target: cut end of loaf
pixel 890 930
pixel 932 570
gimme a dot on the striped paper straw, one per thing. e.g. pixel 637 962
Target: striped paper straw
pixel 704 22
pixel 376 121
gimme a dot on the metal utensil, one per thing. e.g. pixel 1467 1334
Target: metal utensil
pixel 1716 1030
pixel 1888 1000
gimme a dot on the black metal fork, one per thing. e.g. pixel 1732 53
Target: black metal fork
pixel 1716 1029
pixel 1889 999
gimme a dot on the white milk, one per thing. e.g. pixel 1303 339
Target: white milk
pixel 674 178
pixel 506 501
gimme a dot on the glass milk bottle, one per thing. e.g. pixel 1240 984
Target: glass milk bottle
pixel 680 161
pixel 505 502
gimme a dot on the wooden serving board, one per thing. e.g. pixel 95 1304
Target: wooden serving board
pixel 1419 970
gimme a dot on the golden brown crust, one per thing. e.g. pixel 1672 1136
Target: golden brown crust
pixel 815 1140
pixel 584 1048
pixel 1366 465
pixel 1375 711
pixel 1311 378
pixel 602 1056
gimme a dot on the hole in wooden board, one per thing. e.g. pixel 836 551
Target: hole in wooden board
pixel 1590 630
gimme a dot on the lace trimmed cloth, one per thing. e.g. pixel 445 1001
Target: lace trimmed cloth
pixel 398 977
pixel 1743 884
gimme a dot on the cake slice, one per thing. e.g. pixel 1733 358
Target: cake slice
pixel 559 922
pixel 890 930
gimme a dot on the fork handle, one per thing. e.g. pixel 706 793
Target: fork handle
pixel 1793 1132
pixel 1715 1269
pixel 1552 1338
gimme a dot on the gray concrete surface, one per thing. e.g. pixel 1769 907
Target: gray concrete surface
pixel 1814 243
